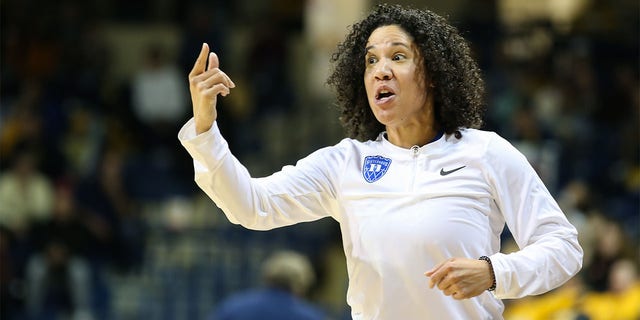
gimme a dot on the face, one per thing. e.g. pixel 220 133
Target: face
pixel 394 79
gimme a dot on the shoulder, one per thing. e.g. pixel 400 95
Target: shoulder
pixel 266 304
pixel 475 136
pixel 338 153
pixel 308 311
pixel 472 145
pixel 489 151
pixel 242 300
pixel 240 305
pixel 487 143
pixel 500 160
pixel 349 144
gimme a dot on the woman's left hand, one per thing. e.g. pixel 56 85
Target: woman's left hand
pixel 461 278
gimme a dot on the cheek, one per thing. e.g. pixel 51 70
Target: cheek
pixel 368 85
pixel 418 86
pixel 367 78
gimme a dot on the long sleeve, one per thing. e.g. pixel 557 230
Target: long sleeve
pixel 304 192
pixel 549 252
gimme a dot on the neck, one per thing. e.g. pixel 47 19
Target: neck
pixel 407 137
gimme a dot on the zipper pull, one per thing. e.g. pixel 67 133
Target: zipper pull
pixel 415 150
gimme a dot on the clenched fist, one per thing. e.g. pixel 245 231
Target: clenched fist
pixel 461 278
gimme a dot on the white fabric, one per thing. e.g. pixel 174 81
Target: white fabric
pixel 396 228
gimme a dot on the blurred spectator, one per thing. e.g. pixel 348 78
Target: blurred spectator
pixel 611 245
pixel 10 282
pixel 159 91
pixel 82 140
pixel 115 215
pixel 325 25
pixel 614 292
pixel 270 92
pixel 26 195
pixel 562 303
pixel 58 275
pixel 21 122
pixel 205 21
pixel 541 150
pixel 211 22
pixel 573 301
pixel 576 201
pixel 287 276
pixel 30 124
pixel 620 301
pixel 159 101
pixel 269 73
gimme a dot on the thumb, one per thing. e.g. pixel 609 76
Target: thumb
pixel 213 61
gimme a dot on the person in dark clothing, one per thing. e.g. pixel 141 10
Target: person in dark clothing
pixel 58 276
pixel 287 276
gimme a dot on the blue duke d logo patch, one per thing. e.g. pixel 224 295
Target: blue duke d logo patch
pixel 375 167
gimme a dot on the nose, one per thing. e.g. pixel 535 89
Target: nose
pixel 383 70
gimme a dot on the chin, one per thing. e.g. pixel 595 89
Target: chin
pixel 385 117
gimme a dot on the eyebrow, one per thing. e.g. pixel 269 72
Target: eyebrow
pixel 393 44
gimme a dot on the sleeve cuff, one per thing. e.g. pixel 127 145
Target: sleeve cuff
pixel 208 148
pixel 501 275
pixel 187 133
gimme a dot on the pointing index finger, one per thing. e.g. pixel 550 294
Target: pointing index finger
pixel 434 269
pixel 435 274
pixel 199 66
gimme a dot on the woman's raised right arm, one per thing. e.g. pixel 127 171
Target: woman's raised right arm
pixel 299 193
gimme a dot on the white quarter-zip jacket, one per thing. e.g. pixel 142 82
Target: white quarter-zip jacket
pixel 402 211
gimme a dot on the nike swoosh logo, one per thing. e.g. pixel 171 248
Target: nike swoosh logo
pixel 444 173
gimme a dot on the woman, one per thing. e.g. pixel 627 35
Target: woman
pixel 417 189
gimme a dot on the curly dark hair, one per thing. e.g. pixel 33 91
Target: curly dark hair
pixel 459 89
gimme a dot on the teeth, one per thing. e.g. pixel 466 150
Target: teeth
pixel 384 93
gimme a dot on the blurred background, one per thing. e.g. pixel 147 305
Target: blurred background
pixel 99 214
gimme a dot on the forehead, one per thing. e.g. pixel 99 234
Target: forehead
pixel 389 36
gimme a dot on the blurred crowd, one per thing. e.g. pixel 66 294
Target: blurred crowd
pixel 92 95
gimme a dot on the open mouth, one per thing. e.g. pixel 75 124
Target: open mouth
pixel 384 95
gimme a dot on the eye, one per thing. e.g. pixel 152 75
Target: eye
pixel 398 57
pixel 371 60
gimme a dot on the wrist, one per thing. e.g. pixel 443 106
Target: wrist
pixel 493 274
pixel 203 126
